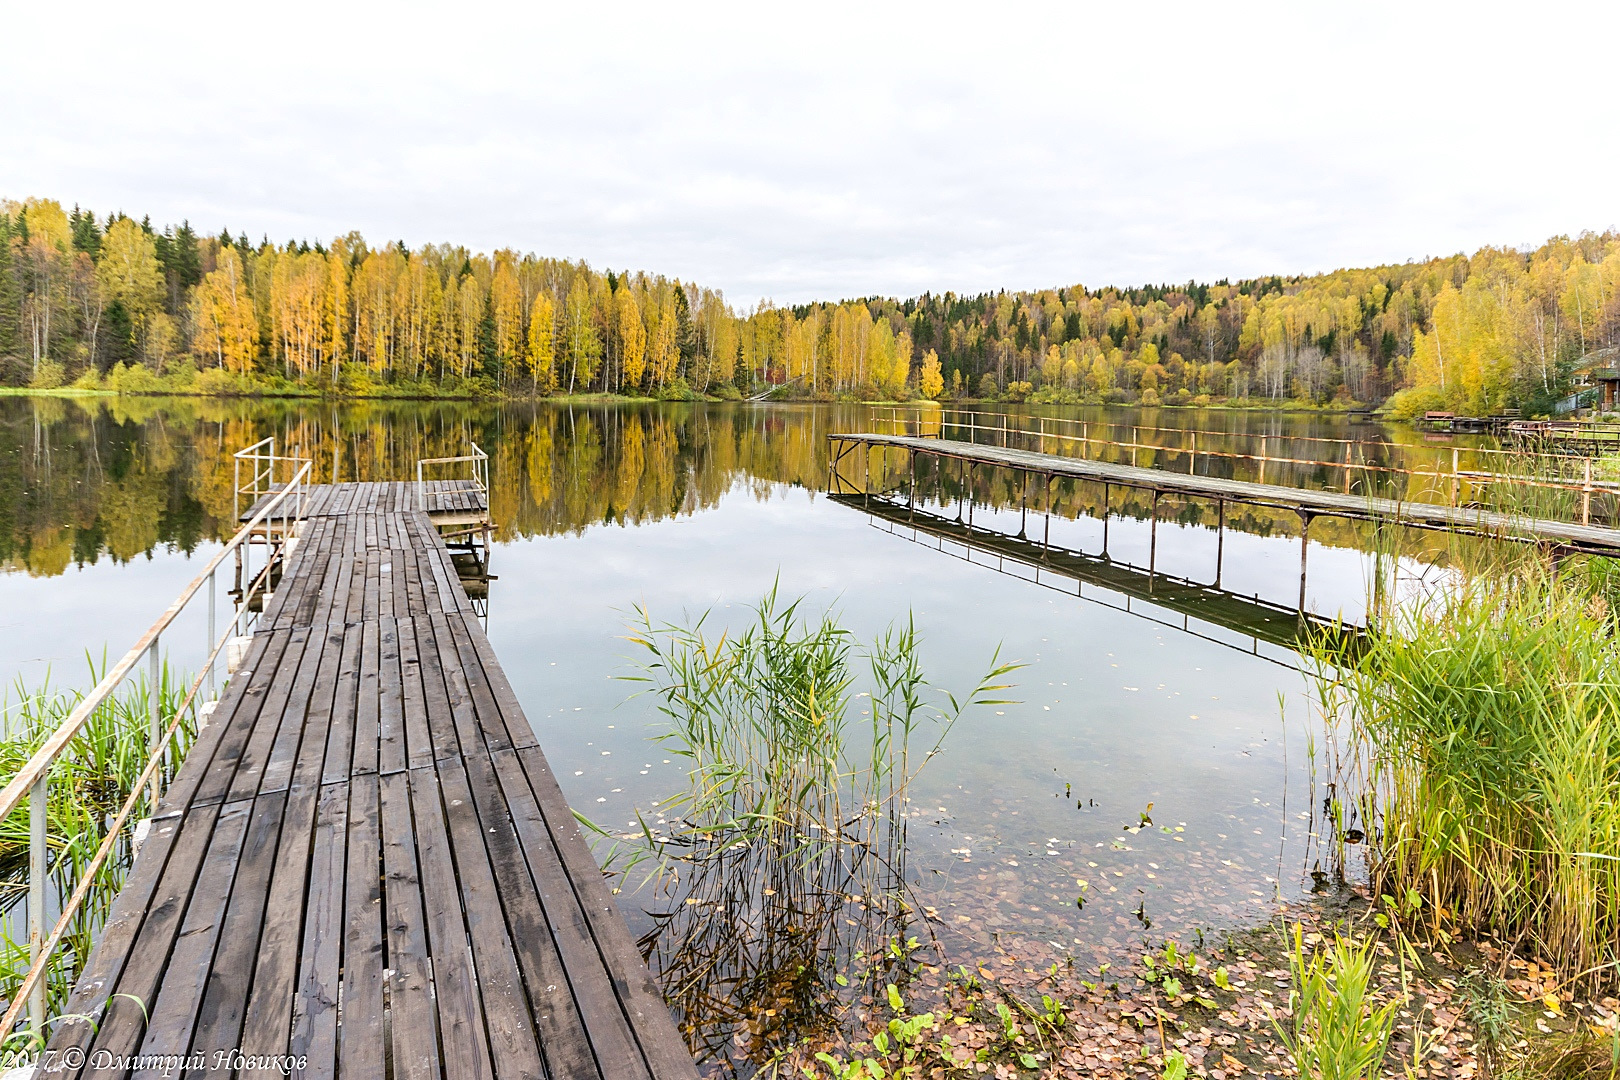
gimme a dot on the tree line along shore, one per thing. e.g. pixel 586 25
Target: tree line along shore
pixel 112 303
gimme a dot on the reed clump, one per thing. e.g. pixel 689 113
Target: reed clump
pixel 88 785
pixel 1336 1030
pixel 1481 728
pixel 783 860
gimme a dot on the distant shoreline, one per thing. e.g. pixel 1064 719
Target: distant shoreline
pixel 277 394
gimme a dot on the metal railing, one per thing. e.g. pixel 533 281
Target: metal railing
pixel 480 472
pixel 976 425
pixel 262 464
pixel 275 524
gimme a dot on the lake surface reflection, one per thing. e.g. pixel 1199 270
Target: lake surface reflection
pixel 107 506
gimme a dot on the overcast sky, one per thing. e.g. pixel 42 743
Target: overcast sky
pixel 819 151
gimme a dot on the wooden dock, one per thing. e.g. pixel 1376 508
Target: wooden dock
pixel 365 863
pixel 446 502
pixel 1306 502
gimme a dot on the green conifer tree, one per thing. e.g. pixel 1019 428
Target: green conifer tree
pixel 10 292
pixel 86 233
pixel 187 260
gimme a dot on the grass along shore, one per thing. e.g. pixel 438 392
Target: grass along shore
pixel 183 379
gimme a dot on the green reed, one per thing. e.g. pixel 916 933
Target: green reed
pixel 784 856
pixel 768 720
pixel 88 784
pixel 1336 1030
pixel 1479 733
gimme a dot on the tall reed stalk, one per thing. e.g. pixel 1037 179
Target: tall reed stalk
pixel 1481 729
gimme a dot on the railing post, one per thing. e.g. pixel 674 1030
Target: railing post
pixel 1153 539
pixel 208 645
pixel 37 836
pixel 1586 495
pixel 155 715
pixel 1304 549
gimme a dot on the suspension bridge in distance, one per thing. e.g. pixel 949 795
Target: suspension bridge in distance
pixel 364 862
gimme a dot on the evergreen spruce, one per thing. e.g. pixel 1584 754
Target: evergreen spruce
pixel 685 332
pixel 118 337
pixel 187 261
pixel 489 362
pixel 86 233
pixel 10 292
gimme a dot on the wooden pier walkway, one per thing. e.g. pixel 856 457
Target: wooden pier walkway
pixel 1305 502
pixel 365 863
pixel 453 502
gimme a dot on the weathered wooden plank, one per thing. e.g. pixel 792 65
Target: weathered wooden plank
pixel 258 741
pixel 340 740
pixel 392 743
pixel 638 995
pixel 310 764
pixel 362 1048
pixel 413 704
pixel 442 727
pixel 315 1005
pixel 519 730
pixel 179 995
pixel 414 1031
pixel 490 718
pixel 302 706
pixel 570 1013
pixel 460 1010
pixel 369 701
pixel 267 1022
pixel 508 1015
pixel 124 1021
pixel 219 1019
pixel 462 714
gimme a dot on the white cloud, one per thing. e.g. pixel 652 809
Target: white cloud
pixel 819 151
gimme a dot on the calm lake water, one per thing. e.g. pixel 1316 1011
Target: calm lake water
pixel 107 508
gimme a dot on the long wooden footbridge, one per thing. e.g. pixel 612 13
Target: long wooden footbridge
pixel 364 867
pixel 1308 503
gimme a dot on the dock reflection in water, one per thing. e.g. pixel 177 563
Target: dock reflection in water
pixel 1250 624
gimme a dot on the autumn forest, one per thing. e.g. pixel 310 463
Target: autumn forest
pixel 109 302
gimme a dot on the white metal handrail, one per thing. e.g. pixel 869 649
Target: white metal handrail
pixel 1137 429
pixel 1586 486
pixel 260 460
pixel 480 477
pixel 284 512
